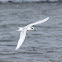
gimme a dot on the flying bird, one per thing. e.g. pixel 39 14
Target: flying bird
pixel 25 29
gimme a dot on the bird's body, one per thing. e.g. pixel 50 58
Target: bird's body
pixel 25 29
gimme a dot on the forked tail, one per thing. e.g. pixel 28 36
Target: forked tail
pixel 20 28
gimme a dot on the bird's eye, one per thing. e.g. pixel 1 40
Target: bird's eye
pixel 32 28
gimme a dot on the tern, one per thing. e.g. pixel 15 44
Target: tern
pixel 23 31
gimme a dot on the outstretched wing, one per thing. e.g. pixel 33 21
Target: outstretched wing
pixel 38 22
pixel 21 39
pixel 23 32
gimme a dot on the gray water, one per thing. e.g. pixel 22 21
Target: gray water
pixel 42 45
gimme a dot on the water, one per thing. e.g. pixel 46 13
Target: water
pixel 42 45
pixel 4 1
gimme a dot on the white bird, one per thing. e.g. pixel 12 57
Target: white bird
pixel 24 30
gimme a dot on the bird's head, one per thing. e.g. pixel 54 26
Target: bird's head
pixel 31 28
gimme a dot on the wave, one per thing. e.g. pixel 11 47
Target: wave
pixel 4 1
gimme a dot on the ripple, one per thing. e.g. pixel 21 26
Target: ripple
pixel 29 53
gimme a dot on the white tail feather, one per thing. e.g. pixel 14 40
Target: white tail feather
pixel 20 28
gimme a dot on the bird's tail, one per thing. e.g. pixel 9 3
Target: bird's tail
pixel 20 28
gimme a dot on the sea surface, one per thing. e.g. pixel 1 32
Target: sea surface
pixel 44 44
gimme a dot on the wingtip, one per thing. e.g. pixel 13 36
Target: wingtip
pixel 47 17
pixel 16 48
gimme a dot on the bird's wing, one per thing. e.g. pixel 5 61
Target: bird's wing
pixel 38 22
pixel 21 39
